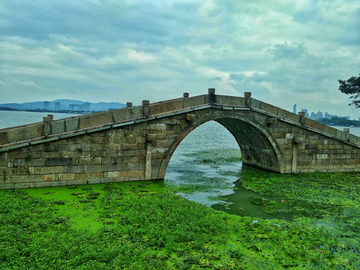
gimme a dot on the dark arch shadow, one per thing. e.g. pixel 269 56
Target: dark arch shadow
pixel 258 147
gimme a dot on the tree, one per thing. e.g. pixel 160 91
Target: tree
pixel 351 87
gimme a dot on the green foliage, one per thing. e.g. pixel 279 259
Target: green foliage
pixel 28 157
pixel 339 121
pixel 351 87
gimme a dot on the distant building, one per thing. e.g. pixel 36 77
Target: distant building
pixel 320 115
pixel 47 105
pixel 315 116
pixel 306 112
pixel 294 109
pixel 75 107
pixel 86 106
pixel 57 106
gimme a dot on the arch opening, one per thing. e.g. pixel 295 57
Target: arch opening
pixel 257 146
pixel 201 161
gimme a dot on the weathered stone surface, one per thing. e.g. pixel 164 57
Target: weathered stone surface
pixel 230 100
pixel 94 181
pixel 166 106
pixel 75 182
pixel 71 124
pixel 96 119
pixel 58 127
pixel 42 184
pixel 89 175
pixel 60 161
pixel 50 177
pixel 106 180
pixel 133 146
pixel 3 137
pixel 50 170
pixel 58 183
pixel 25 133
pixel 7 186
pixel 76 169
pixel 67 176
pixel 22 185
pixel 269 137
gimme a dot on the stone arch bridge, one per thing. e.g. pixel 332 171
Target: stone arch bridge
pixel 136 143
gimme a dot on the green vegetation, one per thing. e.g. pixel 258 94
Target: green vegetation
pixel 339 121
pixel 351 87
pixel 216 157
pixel 144 226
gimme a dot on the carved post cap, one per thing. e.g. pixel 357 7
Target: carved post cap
pixel 347 130
pixel 145 102
pixel 186 95
pixel 128 104
pixel 51 116
pixel 211 90
pixel 301 113
pixel 247 94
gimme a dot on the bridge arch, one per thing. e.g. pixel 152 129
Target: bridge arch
pixel 257 145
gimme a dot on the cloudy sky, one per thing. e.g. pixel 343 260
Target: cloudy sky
pixel 284 52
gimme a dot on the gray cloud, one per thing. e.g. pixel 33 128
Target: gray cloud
pixel 288 51
pixel 282 51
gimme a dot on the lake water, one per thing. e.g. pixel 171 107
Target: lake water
pixel 209 180
pixel 18 118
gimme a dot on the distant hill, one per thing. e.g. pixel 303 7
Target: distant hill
pixel 64 105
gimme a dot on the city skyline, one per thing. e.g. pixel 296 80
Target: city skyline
pixel 130 51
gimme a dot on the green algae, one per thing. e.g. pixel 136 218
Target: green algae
pixel 81 205
pixel 144 226
pixel 216 156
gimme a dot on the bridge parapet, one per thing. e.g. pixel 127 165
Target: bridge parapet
pixel 300 120
pixel 76 126
pixel 49 127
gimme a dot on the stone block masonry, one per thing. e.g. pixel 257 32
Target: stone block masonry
pixel 136 143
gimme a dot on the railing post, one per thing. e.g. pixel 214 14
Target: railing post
pixel 347 133
pixel 247 96
pixel 212 97
pixel 46 125
pixel 128 104
pixel 186 95
pixel 302 117
pixel 146 107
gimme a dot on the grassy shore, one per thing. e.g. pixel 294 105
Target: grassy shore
pixel 143 225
